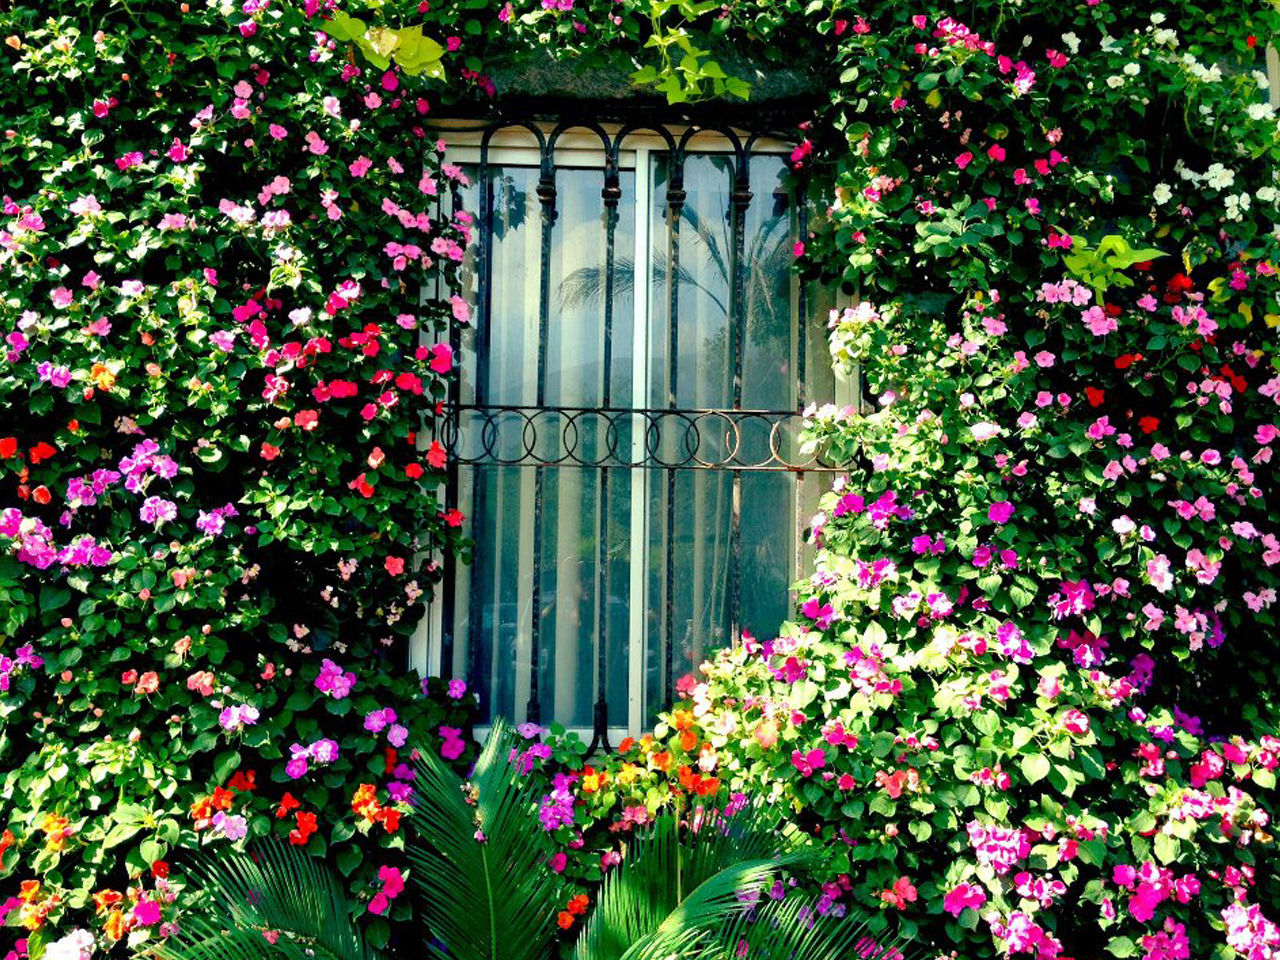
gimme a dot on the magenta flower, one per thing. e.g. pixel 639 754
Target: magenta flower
pixel 1000 512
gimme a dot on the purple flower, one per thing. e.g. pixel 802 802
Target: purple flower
pixel 232 826
pixel 453 746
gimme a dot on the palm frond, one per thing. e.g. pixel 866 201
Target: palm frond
pixel 275 901
pixel 791 929
pixel 480 858
pixel 677 879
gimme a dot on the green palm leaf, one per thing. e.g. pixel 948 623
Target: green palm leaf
pixel 790 929
pixel 490 899
pixel 675 882
pixel 276 892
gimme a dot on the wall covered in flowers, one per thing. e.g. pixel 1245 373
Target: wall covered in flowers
pixel 1028 696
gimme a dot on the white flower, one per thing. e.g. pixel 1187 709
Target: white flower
pixel 1158 18
pixel 1131 69
pixel 1115 81
pixel 76 945
pixel 1262 80
pixel 1267 194
pixel 1218 177
pixel 1162 194
pixel 1260 111
pixel 1166 37
pixel 1072 42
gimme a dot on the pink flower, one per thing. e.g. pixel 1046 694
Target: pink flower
pixel 1000 512
pixel 360 166
pixel 964 159
pixel 1099 322
pixel 807 763
pixel 963 896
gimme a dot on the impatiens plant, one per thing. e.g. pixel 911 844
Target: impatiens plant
pixel 219 514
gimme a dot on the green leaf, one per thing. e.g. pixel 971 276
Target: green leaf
pixel 344 27
pixel 1121 947
pixel 416 52
pixel 1166 848
pixel 1035 767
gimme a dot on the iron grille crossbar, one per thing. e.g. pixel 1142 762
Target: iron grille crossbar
pixel 510 435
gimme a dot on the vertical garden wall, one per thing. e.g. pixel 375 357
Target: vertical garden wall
pixel 1028 695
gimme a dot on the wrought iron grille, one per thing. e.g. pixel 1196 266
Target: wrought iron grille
pixel 662 440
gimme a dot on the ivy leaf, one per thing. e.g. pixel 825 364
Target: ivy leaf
pixel 416 53
pixel 344 27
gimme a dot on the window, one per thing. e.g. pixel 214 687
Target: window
pixel 623 432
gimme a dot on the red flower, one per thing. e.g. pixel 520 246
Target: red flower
pixel 413 471
pixel 306 827
pixel 243 781
pixel 8 447
pixel 394 565
pixel 160 869
pixel 1149 424
pixel 1126 360
pixel 42 451
pixel 1095 396
pixel 287 802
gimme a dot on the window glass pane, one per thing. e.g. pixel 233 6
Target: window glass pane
pixel 692 563
pixel 554 513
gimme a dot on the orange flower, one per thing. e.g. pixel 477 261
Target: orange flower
pixel 222 799
pixel 202 809
pixel 564 919
pixel 365 801
pixel 593 780
pixel 29 891
pixel 101 375
pixel 682 719
pixel 688 740
pixel 578 904
pixel 627 745
pixel 7 840
pixel 149 682
pixel 104 899
pixel 116 926
pixel 56 830
pixel 661 761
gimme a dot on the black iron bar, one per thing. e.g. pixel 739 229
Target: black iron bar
pixel 675 211
pixel 740 200
pixel 547 197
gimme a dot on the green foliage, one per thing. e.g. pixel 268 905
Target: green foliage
pixel 274 902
